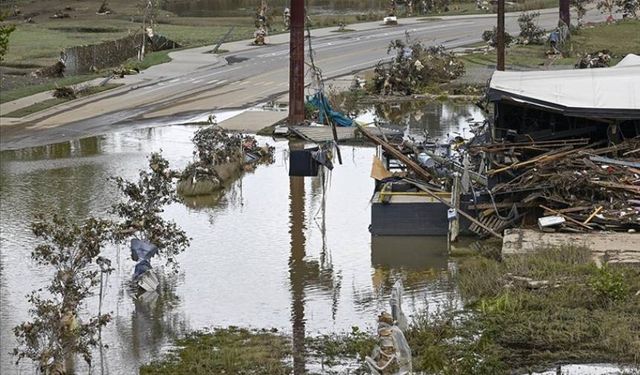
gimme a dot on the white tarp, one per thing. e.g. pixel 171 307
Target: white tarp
pixel 592 90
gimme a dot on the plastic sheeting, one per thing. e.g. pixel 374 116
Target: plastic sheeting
pixel 320 101
pixel 142 252
pixel 603 92
pixel 392 355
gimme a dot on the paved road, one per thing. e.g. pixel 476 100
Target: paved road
pixel 197 82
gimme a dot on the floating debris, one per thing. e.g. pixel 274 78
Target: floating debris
pixel 219 156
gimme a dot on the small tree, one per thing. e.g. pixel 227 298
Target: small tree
pixel 530 32
pixel 581 9
pixel 56 332
pixel 5 32
pixel 145 201
pixel 606 7
pixel 628 8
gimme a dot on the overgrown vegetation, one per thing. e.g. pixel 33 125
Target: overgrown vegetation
pixel 334 349
pixel 41 106
pixel 530 32
pixel 491 37
pixel 226 351
pixel 533 310
pixel 5 32
pixel 585 40
pixel 145 200
pixel 58 330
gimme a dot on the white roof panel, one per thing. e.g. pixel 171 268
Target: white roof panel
pixel 600 90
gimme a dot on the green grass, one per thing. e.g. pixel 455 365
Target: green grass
pixel 40 106
pixel 620 38
pixel 226 351
pixel 10 95
pixel 583 314
pixel 150 59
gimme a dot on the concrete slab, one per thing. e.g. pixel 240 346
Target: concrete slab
pixel 613 247
pixel 253 121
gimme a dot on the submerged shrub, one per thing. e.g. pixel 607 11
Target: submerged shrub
pixel 144 203
pixel 57 332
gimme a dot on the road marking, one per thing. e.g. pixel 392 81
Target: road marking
pixel 212 81
pixel 174 80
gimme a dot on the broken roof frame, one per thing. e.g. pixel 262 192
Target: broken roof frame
pixel 607 93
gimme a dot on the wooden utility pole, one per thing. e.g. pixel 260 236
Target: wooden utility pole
pixel 296 63
pixel 500 36
pixel 565 15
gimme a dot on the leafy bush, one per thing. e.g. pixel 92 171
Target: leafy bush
pixel 491 37
pixel 64 92
pixel 530 32
pixel 609 285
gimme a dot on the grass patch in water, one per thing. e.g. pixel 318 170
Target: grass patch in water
pixel 531 311
pixel 226 351
pixel 334 349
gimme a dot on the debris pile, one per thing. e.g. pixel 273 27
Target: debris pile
pixel 64 92
pixel 598 59
pixel 219 155
pixel 415 67
pixel 577 186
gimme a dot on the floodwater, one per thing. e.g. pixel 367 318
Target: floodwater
pixel 272 251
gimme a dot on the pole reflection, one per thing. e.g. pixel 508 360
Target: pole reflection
pixel 297 266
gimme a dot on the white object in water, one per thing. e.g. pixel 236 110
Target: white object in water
pixel 149 281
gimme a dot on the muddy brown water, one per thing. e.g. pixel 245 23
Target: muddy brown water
pixel 260 255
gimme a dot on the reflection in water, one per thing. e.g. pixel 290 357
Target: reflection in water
pixel 432 118
pixel 297 266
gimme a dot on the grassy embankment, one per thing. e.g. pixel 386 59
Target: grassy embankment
pixel 521 314
pixel 40 106
pixel 620 38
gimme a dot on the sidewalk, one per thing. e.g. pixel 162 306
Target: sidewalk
pixel 182 62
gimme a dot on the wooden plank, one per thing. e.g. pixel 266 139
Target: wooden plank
pixel 319 134
pixel 592 215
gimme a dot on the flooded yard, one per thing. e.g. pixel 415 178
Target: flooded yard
pixel 259 256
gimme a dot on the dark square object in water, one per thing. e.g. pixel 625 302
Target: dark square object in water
pixel 302 164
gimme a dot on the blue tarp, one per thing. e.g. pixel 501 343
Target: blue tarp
pixel 320 101
pixel 141 252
